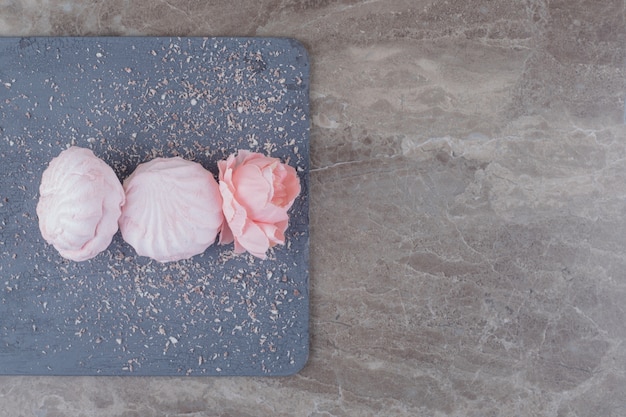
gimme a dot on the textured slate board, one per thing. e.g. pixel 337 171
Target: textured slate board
pixel 129 100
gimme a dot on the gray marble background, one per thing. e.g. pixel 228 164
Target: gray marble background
pixel 468 202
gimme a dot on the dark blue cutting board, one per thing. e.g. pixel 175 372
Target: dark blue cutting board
pixel 130 100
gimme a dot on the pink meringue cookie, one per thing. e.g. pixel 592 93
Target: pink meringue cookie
pixel 80 204
pixel 173 209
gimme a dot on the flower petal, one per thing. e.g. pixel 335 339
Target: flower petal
pixel 222 166
pixel 286 186
pixel 226 235
pixel 252 189
pixel 239 248
pixel 254 240
pixel 271 214
pixel 273 233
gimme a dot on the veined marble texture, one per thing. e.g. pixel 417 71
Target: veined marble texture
pixel 468 209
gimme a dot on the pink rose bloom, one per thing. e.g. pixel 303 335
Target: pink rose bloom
pixel 257 192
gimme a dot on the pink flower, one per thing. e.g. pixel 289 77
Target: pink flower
pixel 257 192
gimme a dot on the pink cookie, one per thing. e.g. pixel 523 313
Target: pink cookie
pixel 173 209
pixel 79 205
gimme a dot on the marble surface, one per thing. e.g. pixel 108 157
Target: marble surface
pixel 468 201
